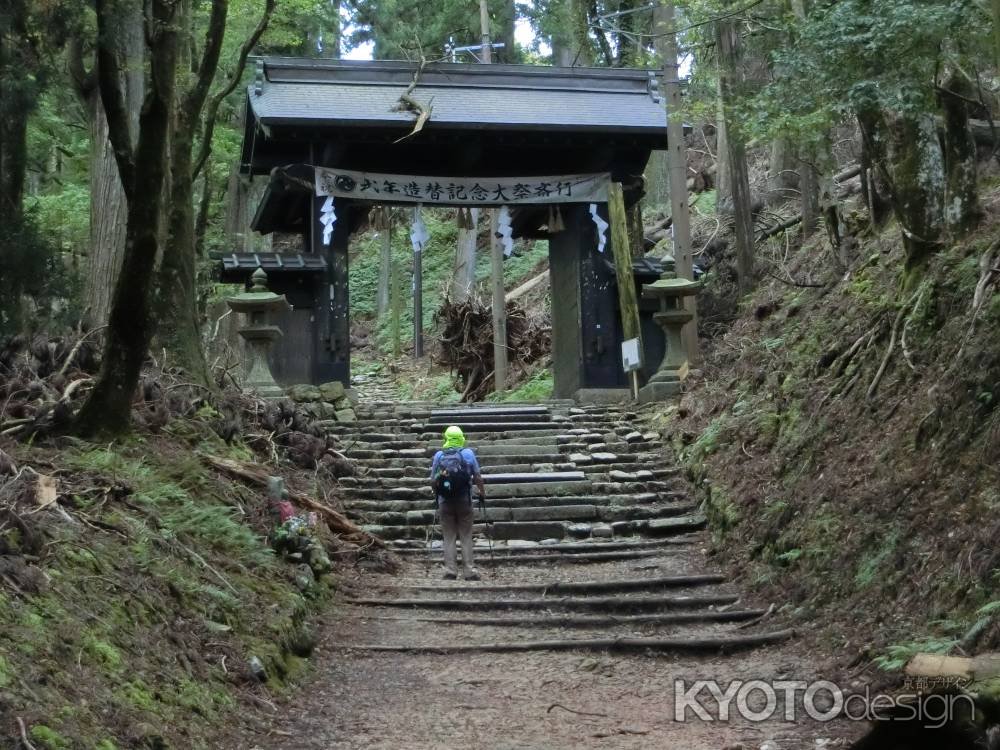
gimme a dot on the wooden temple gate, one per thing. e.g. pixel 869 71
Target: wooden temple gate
pixel 322 130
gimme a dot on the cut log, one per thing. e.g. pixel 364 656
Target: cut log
pixel 845 192
pixel 336 521
pixel 581 587
pixel 614 645
pixel 981 667
pixel 527 286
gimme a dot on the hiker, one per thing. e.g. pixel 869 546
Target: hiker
pixel 453 472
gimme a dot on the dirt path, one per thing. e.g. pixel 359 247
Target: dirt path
pixel 520 700
pixel 580 498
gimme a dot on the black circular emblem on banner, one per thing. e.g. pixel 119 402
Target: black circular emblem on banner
pixel 345 183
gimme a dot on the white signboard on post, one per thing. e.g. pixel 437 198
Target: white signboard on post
pixel 631 356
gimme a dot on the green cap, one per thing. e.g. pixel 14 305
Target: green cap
pixel 454 437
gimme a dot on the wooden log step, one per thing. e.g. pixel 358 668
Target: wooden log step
pixel 576 587
pixel 720 644
pixel 592 603
pixel 588 621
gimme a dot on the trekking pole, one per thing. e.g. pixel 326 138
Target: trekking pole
pixel 489 534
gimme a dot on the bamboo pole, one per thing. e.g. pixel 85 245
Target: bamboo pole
pixel 627 301
pixel 499 309
pixel 418 304
pixel 385 262
pixel 397 311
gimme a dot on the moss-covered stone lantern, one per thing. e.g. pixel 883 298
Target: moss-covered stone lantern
pixel 257 304
pixel 671 317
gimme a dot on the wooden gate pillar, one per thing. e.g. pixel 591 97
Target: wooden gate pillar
pixel 333 311
pixel 586 326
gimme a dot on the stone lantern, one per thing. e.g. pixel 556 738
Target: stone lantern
pixel 671 317
pixel 258 333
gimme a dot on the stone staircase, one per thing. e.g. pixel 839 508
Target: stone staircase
pixel 553 473
pixel 587 530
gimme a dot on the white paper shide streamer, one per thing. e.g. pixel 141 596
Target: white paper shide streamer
pixel 327 217
pixel 505 230
pixel 418 232
pixel 602 228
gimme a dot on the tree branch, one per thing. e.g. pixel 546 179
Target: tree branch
pixel 213 105
pixel 214 36
pixel 84 81
pixel 109 79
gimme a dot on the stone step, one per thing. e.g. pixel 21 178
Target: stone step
pixel 554 558
pixel 538 476
pixel 420 481
pixel 500 426
pixel 412 490
pixel 410 547
pixel 418 474
pixel 353 504
pixel 522 489
pixel 537 530
pixel 491 417
pixel 446 413
pixel 569 513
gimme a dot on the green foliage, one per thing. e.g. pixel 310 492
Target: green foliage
pixel 30 267
pixel 872 565
pixel 438 264
pixel 409 29
pixel 536 388
pixel 986 611
pixel 709 440
pixel 897 655
pixel 48 738
pixel 862 55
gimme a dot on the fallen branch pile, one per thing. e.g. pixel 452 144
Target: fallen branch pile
pixel 258 477
pixel 41 379
pixel 466 342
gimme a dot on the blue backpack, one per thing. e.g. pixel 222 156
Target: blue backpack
pixel 453 476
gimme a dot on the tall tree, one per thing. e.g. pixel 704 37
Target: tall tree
pixel 464 276
pixel 414 28
pixel 142 165
pixel 728 41
pixel 177 301
pixel 30 35
pixel 906 81
pixel 108 211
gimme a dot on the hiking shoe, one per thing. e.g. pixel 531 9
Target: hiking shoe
pixel 471 575
pixel 449 576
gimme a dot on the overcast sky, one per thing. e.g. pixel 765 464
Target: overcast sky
pixel 522 31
